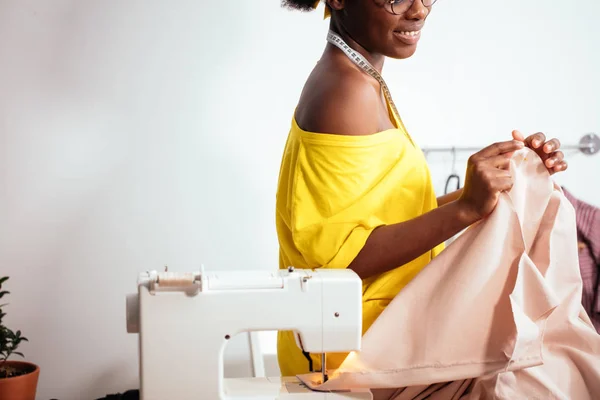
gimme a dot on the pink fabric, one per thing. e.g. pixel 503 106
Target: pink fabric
pixel 497 315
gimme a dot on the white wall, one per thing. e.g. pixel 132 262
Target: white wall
pixel 135 134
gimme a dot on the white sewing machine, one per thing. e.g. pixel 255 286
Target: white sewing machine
pixel 184 321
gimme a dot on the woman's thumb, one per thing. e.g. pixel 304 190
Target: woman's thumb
pixel 518 136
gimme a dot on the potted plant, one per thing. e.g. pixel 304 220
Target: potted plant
pixel 18 379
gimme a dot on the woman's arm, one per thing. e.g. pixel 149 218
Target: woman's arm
pixel 394 245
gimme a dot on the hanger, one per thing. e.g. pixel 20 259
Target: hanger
pixel 453 175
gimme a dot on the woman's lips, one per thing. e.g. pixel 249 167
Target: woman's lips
pixel 408 37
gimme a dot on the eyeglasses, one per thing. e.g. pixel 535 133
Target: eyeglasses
pixel 398 7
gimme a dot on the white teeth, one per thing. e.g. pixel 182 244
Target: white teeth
pixel 413 33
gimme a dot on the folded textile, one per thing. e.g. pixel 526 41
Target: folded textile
pixel 497 314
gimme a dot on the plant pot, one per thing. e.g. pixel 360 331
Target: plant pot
pixel 22 387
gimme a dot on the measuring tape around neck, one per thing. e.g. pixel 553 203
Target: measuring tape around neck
pixel 363 64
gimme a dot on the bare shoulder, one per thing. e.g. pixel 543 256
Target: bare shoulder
pixel 339 100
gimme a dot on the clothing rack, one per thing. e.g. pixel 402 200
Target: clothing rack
pixel 589 145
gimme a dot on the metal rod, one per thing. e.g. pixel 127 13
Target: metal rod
pixel 464 149
pixel 589 144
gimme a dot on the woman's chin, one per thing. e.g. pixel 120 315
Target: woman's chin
pixel 403 53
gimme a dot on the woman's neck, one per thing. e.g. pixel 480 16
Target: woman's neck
pixel 376 60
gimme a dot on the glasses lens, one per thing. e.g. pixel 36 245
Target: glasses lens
pixel 400 6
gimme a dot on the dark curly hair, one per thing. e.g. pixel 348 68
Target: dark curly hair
pixel 302 5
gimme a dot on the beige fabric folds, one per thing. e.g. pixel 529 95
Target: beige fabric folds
pixel 497 315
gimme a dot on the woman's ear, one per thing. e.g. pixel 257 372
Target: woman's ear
pixel 336 5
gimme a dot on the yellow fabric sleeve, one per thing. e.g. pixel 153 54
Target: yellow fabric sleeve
pixel 336 200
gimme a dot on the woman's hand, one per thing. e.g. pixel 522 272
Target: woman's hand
pixel 549 151
pixel 488 174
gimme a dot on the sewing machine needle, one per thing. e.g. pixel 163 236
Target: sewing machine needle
pixel 323 369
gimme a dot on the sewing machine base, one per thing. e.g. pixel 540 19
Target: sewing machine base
pixel 265 389
pixel 286 388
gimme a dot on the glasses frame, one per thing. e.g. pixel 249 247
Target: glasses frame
pixel 388 5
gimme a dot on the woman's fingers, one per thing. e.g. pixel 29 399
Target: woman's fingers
pixel 500 148
pixel 500 161
pixel 551 146
pixel 560 167
pixel 504 184
pixel 554 159
pixel 536 140
pixel 517 135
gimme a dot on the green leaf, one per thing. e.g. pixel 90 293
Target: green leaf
pixel 3 279
pixel 3 293
pixel 19 353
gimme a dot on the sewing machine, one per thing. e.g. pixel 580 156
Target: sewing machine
pixel 185 320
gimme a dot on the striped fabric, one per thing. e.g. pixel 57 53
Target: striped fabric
pixel 588 233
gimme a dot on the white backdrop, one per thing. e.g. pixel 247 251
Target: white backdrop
pixel 135 134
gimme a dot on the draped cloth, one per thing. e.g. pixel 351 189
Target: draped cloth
pixel 496 315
